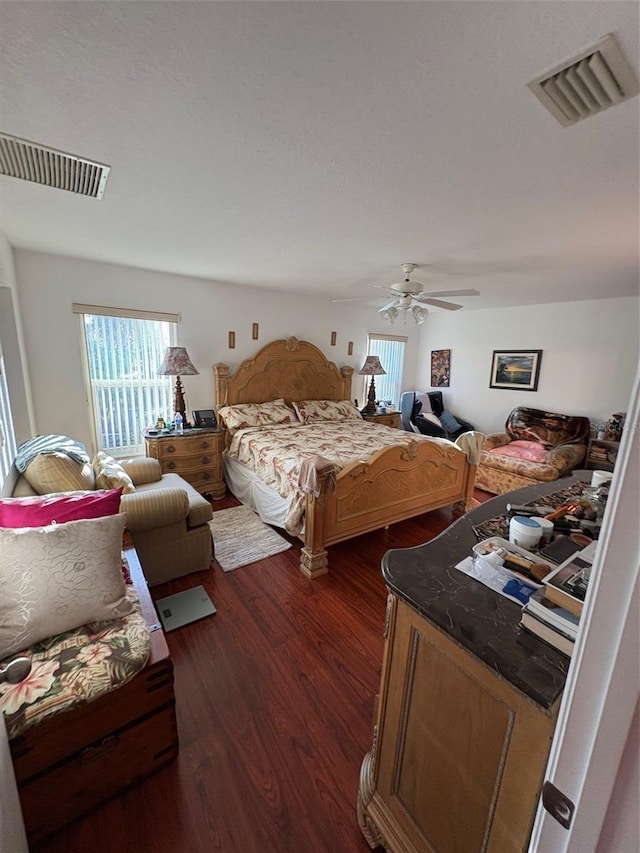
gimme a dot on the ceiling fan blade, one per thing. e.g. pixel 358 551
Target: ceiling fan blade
pixel 393 304
pixel 468 292
pixel 449 306
pixel 353 299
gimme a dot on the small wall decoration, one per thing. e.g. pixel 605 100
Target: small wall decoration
pixel 334 338
pixel 350 348
pixel 440 368
pixel 232 340
pixel 254 331
pixel 517 369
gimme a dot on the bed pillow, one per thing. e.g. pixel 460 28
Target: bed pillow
pixel 58 509
pixel 58 472
pixel 531 451
pixel 110 474
pixel 449 423
pixel 314 411
pixel 244 415
pixel 59 577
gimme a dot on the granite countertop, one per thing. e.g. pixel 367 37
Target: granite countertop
pixel 481 620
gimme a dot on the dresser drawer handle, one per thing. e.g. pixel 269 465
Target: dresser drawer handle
pixel 171 465
pixel 205 460
pixel 93 753
pixel 205 444
pixel 206 475
pixel 171 448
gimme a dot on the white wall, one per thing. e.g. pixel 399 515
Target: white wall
pixel 49 284
pixel 589 358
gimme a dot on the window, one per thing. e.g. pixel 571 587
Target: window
pixel 124 350
pixel 390 351
pixel 7 437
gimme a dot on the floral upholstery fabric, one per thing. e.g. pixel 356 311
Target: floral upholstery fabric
pixel 77 667
pixel 500 474
pixel 547 428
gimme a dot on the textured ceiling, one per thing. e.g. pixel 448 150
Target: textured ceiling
pixel 312 147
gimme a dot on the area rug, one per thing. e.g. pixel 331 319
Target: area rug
pixel 240 538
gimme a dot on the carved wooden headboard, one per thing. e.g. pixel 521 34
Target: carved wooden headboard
pixel 293 369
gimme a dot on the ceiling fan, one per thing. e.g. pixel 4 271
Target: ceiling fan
pixel 410 297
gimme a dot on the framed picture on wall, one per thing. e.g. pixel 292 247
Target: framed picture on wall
pixel 440 368
pixel 516 369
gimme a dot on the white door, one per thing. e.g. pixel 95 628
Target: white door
pixel 601 694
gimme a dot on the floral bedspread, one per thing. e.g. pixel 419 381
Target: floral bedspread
pixel 275 453
pixel 75 667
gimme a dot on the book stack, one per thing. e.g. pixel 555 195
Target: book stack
pixel 553 612
pixel 550 622
pixel 598 453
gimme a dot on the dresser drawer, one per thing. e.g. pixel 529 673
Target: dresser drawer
pixel 185 465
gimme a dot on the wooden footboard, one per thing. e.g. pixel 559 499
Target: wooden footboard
pixel 396 483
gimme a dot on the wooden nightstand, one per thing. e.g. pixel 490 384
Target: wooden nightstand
pixel 195 454
pixel 392 419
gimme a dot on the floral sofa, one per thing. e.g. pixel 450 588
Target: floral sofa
pixel 536 446
pixel 166 517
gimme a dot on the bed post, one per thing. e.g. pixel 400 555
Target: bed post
pixel 221 379
pixel 468 503
pixel 313 555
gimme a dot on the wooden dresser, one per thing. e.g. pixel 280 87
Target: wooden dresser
pixel 71 762
pixel 467 707
pixel 196 455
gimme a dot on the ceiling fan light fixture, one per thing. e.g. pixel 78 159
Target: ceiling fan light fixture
pixel 390 315
pixel 419 314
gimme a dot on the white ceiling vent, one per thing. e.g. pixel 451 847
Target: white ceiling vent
pixel 41 165
pixel 599 77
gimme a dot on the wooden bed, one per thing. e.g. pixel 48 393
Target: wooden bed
pixel 394 484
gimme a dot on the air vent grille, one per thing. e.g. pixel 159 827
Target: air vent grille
pixel 599 77
pixel 41 165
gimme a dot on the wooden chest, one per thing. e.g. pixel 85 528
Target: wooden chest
pixel 195 455
pixel 73 761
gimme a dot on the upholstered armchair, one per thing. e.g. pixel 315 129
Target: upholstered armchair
pixel 425 413
pixel 536 447
pixel 166 517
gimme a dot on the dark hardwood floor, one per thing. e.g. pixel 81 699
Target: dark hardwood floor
pixel 274 699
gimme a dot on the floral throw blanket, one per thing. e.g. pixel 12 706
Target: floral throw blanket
pixel 275 453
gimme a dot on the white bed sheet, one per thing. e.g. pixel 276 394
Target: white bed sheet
pixel 252 492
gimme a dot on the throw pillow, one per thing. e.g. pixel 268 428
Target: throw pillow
pixel 449 423
pixel 110 474
pixel 314 411
pixel 58 472
pixel 59 577
pixel 532 451
pixel 58 509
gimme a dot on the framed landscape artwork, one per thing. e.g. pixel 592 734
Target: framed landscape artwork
pixel 516 369
pixel 440 368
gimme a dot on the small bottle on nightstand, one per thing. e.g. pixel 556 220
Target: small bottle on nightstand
pixel 178 423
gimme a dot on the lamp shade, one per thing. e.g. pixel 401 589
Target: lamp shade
pixel 372 367
pixel 176 362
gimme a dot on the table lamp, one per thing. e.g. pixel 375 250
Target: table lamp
pixel 371 367
pixel 177 363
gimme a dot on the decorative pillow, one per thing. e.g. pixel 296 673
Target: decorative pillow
pixel 313 411
pixel 449 423
pixel 532 451
pixel 110 474
pixel 245 415
pixel 59 577
pixel 58 509
pixel 57 472
pixel 434 419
